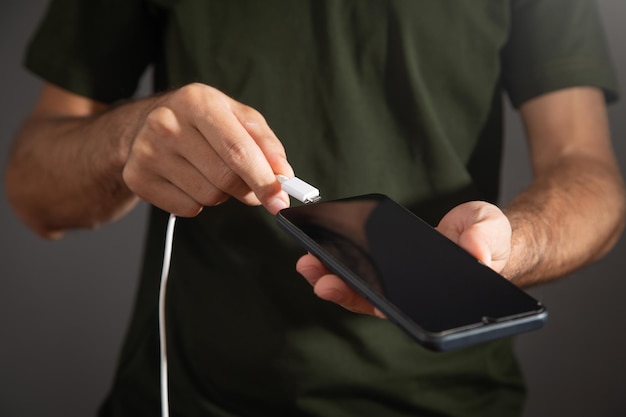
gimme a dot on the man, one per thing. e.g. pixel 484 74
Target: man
pixel 399 97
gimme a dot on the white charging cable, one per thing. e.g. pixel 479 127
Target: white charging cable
pixel 165 271
pixel 295 187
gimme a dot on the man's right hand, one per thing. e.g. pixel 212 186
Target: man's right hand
pixel 197 147
pixel 78 163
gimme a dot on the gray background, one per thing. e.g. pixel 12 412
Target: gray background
pixel 64 305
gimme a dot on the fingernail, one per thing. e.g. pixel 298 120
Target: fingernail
pixel 276 204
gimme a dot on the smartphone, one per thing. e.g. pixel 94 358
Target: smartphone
pixel 422 281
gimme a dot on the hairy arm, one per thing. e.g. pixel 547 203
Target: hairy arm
pixel 64 170
pixel 573 212
pixel 77 163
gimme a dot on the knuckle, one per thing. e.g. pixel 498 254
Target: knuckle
pixel 201 102
pixel 197 95
pixel 226 180
pixel 162 121
pixel 250 114
pixel 206 196
pixel 190 92
pixel 237 154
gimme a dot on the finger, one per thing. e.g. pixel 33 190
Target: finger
pixel 155 189
pixel 180 173
pixel 163 194
pixel 232 142
pixel 476 243
pixel 330 287
pixel 334 289
pixel 311 268
pixel 158 157
pixel 379 314
pixel 215 171
pixel 256 125
pixel 482 229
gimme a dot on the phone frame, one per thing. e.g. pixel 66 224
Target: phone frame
pixel 446 340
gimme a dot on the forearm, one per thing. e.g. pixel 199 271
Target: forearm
pixel 77 164
pixel 65 172
pixel 571 215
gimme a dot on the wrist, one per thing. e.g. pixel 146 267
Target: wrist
pixel 529 239
pixel 125 121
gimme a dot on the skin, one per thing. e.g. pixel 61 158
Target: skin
pixel 571 214
pixel 77 163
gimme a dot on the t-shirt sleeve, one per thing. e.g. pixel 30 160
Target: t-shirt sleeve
pixel 556 44
pixel 95 48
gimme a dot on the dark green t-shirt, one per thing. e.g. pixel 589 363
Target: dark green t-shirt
pixel 396 97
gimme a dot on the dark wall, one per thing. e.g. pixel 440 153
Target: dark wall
pixel 64 305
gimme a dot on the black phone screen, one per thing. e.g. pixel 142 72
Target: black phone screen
pixel 407 268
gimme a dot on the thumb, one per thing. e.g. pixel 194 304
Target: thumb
pixel 481 229
pixel 476 243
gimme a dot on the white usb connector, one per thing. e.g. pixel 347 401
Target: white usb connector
pixel 299 189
